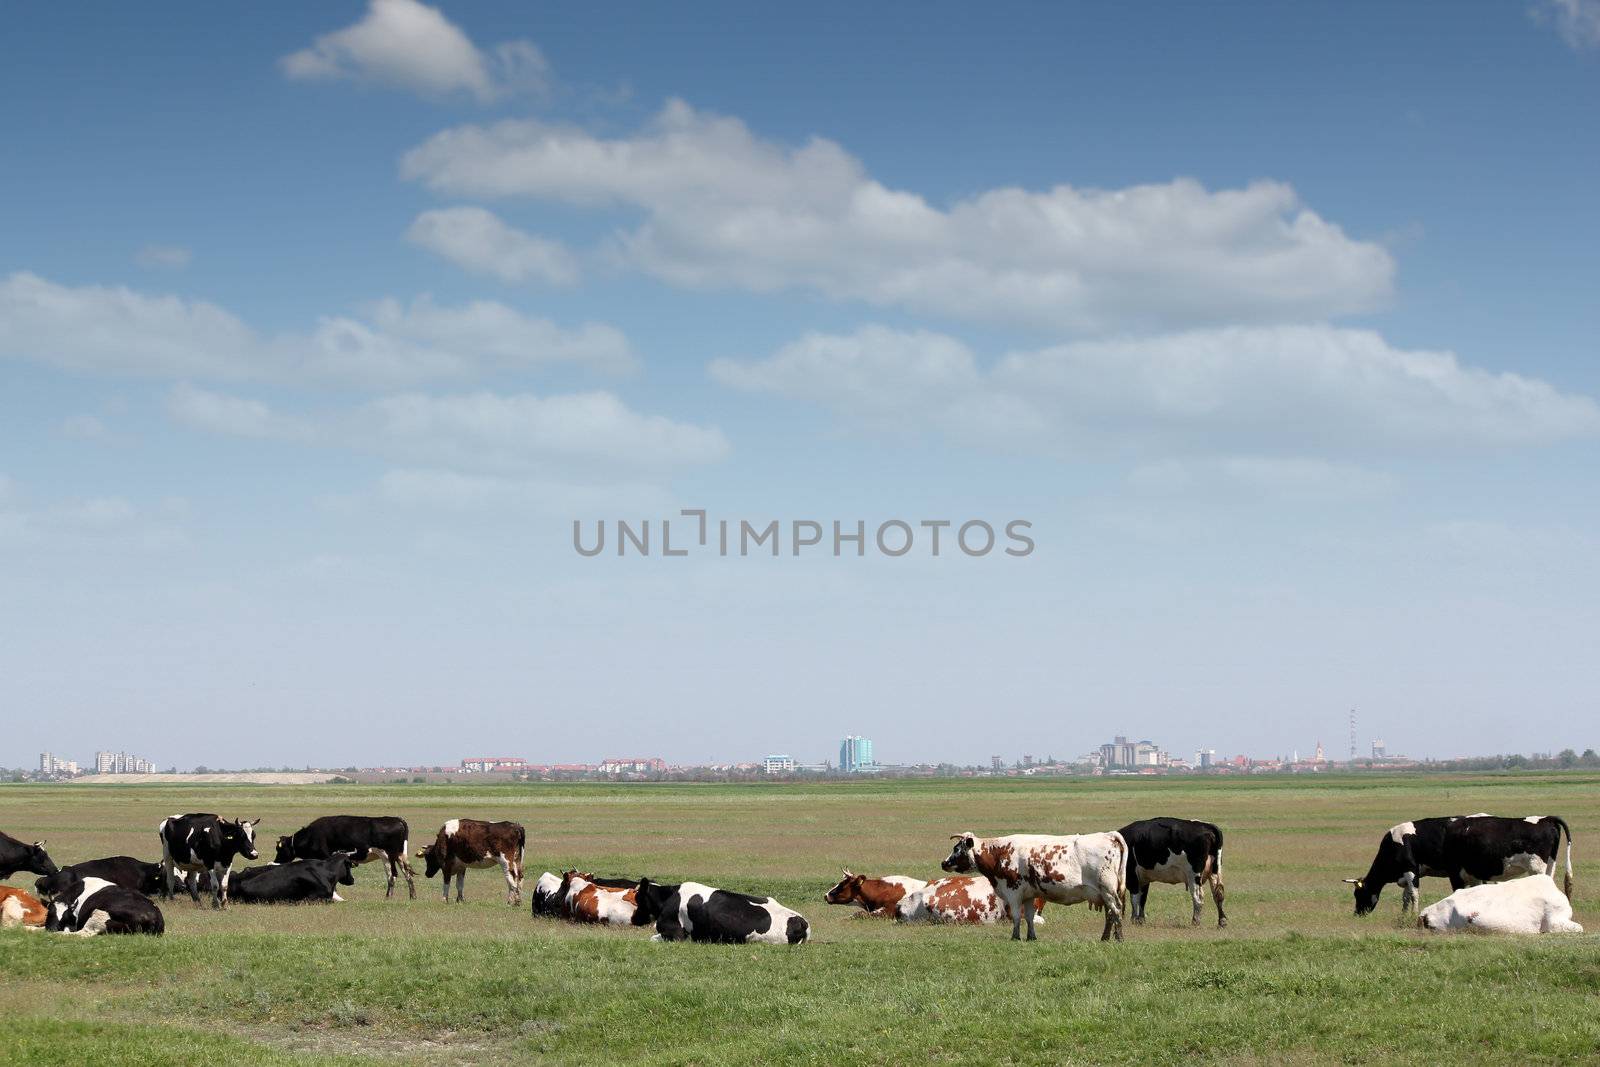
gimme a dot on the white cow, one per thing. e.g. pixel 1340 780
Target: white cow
pixel 1531 905
pixel 1026 868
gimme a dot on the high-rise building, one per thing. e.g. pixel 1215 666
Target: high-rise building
pixel 54 766
pixel 778 764
pixel 855 755
pixel 1378 749
pixel 121 763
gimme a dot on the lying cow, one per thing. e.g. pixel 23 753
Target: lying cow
pixel 1023 868
pixel 126 871
pixel 385 838
pixel 1466 849
pixel 16 856
pixel 295 881
pixel 20 908
pixel 1531 905
pixel 694 912
pixel 95 906
pixel 586 900
pixel 464 843
pixel 551 891
pixel 1176 852
pixel 957 899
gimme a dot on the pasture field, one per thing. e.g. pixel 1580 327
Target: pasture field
pixel 1295 978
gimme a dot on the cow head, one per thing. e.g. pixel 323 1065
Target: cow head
pixel 963 856
pixel 285 850
pixel 36 861
pixel 649 901
pixel 240 835
pixel 433 856
pixel 848 891
pixel 1366 896
pixel 51 884
pixel 342 869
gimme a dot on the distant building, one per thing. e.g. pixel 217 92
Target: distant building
pixel 778 765
pixel 1124 754
pixel 121 763
pixel 1378 749
pixel 53 766
pixel 632 765
pixel 1205 758
pixel 855 755
pixel 485 764
pixel 996 763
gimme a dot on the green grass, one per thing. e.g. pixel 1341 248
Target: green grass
pixel 1294 978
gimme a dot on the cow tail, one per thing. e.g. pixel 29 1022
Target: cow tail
pixel 1566 886
pixel 1121 882
pixel 1216 832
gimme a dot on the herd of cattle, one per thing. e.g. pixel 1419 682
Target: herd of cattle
pixel 1499 868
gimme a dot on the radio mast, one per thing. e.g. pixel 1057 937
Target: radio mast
pixel 1352 735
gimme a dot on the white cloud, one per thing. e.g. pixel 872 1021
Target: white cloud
pixel 403 44
pixel 578 434
pixel 1234 390
pixel 167 257
pixel 725 208
pixel 96 522
pixel 1289 477
pixel 1578 21
pixel 436 489
pixel 481 242
pixel 119 331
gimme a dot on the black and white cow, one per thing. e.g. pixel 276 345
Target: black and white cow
pixel 365 837
pixel 297 880
pixel 1466 849
pixel 95 906
pixel 694 912
pixel 200 842
pixel 17 856
pixel 1177 852
pixel 129 873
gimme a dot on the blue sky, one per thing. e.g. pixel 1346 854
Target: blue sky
pixel 320 325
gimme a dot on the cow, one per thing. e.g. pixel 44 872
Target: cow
pixel 955 899
pixel 1531 905
pixel 202 842
pixel 297 880
pixel 126 871
pixel 690 911
pixel 16 856
pixel 21 908
pixel 95 906
pixel 1067 870
pixel 464 843
pixel 1177 852
pixel 363 837
pixel 881 897
pixel 1466 849
pixel 586 901
pixel 552 892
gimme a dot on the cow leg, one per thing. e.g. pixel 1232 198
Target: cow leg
pixel 446 875
pixel 1013 899
pixel 1113 908
pixel 191 882
pixel 1216 896
pixel 1410 898
pixel 411 883
pixel 1196 894
pixel 219 885
pixel 461 883
pixel 1027 914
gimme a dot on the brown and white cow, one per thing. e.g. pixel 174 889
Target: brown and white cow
pixel 585 900
pixel 1024 868
pixel 875 896
pixel 21 908
pixel 464 843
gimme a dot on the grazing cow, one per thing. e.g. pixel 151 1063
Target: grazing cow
pixel 1466 849
pixel 586 901
pixel 129 873
pixel 1176 852
pixel 95 906
pixel 1531 905
pixel 297 880
pixel 363 837
pixel 16 856
pixel 694 912
pixel 464 843
pixel 20 908
pixel 199 842
pixel 1026 867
